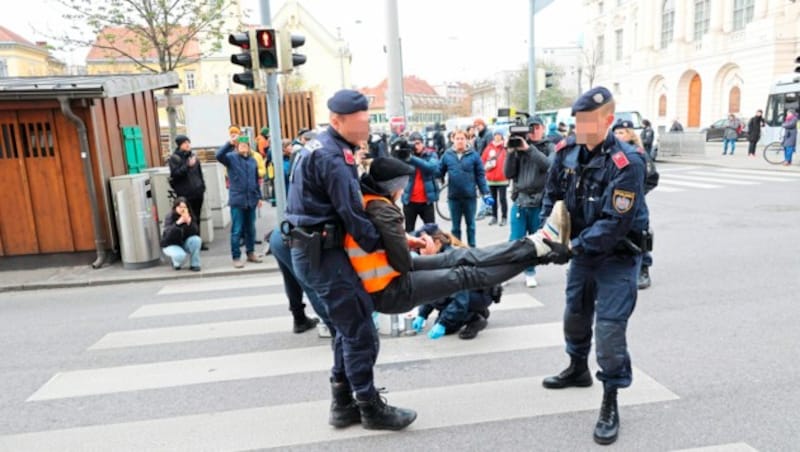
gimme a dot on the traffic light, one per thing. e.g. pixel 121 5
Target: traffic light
pixel 267 45
pixel 289 42
pixel 250 78
pixel 548 79
pixel 797 62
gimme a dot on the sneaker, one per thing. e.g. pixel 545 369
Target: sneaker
pixel 323 330
pixel 493 221
pixel 203 247
pixel 305 325
pixel 251 257
pixel 176 267
pixel 530 281
pixel 238 263
pixel 556 228
pixel 473 328
pixel 194 269
pixel 502 222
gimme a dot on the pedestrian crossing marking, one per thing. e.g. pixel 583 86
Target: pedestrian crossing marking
pixel 787 174
pixel 683 183
pixel 666 189
pixel 220 284
pixel 210 305
pixel 250 327
pixel 278 426
pixel 733 447
pixel 709 177
pixel 84 382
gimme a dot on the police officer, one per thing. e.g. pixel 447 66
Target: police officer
pixel 325 203
pixel 601 181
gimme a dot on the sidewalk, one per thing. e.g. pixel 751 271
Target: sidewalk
pixel 713 157
pixel 74 270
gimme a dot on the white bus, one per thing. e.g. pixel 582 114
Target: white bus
pixel 784 94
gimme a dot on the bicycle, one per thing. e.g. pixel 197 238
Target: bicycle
pixel 441 205
pixel 773 153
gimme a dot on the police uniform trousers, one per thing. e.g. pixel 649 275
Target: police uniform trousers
pixel 441 275
pixel 349 306
pixel 603 289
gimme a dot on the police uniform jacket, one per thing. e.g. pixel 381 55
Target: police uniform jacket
pixel 603 191
pixel 244 191
pixel 324 189
pixel 528 172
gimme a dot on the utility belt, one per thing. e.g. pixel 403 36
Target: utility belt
pixel 635 243
pixel 313 239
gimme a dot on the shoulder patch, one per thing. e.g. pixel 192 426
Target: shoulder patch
pixel 561 145
pixel 620 159
pixel 623 200
pixel 313 145
pixel 348 156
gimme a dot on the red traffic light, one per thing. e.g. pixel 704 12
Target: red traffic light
pixel 265 39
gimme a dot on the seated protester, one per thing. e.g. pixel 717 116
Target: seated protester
pixel 181 236
pixel 397 283
pixel 470 308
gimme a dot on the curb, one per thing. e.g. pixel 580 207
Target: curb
pixel 135 279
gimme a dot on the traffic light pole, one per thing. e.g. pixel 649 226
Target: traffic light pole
pixel 531 62
pixel 274 117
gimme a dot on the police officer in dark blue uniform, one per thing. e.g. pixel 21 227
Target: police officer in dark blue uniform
pixel 325 203
pixel 601 181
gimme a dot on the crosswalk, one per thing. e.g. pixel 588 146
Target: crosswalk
pixel 680 178
pixel 164 322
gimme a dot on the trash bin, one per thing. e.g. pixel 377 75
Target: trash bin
pixel 136 222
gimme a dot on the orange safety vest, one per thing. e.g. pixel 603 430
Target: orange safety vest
pixel 373 268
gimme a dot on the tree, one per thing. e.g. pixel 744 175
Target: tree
pixel 592 59
pixel 546 99
pixel 155 35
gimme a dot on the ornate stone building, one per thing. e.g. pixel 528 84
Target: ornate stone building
pixel 695 60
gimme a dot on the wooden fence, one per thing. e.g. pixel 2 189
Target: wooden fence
pixel 296 111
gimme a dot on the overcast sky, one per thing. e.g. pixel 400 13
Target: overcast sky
pixel 442 40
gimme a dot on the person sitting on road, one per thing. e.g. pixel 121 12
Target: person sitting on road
pixel 181 236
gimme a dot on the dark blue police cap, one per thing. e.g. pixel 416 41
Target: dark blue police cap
pixel 592 100
pixel 532 120
pixel 347 101
pixel 622 124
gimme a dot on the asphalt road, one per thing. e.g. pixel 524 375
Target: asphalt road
pixel 712 342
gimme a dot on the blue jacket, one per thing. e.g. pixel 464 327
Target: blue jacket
pixel 427 164
pixel 604 193
pixel 464 174
pixel 245 191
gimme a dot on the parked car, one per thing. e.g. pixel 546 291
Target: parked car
pixel 715 131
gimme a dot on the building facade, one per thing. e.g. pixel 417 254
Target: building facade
pixel 423 105
pixel 691 60
pixel 22 58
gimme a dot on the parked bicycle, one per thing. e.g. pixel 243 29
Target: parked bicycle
pixel 441 205
pixel 773 153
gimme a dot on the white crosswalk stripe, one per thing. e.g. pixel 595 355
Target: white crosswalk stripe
pixel 153 325
pixel 680 178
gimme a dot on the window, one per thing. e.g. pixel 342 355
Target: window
pixel 662 105
pixel 618 43
pixel 600 50
pixel 742 13
pixel 190 80
pixel 667 22
pixel 702 18
pixel 734 102
pixel 3 68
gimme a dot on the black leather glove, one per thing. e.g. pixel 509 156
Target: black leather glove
pixel 559 253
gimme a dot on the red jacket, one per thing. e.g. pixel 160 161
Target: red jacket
pixel 494 159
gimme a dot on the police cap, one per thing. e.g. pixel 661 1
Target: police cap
pixel 535 120
pixel 622 124
pixel 592 100
pixel 347 101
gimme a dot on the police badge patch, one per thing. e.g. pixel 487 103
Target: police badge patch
pixel 623 200
pixel 348 156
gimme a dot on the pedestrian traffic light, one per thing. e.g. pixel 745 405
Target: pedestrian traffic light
pixel 548 79
pixel 289 42
pixel 250 78
pixel 267 45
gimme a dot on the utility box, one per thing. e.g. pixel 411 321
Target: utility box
pixel 216 194
pixel 136 223
pixel 160 189
pixel 206 224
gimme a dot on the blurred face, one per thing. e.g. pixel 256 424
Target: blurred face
pixel 536 132
pixel 181 208
pixel 498 139
pixel 479 127
pixel 353 127
pixel 233 136
pixel 419 146
pixel 591 126
pixel 243 149
pixel 459 142
pixel 287 148
pixel 186 146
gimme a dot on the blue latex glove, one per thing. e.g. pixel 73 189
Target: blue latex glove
pixel 437 331
pixel 488 200
pixel 418 324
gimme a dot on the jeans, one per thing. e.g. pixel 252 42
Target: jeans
pixel 178 253
pixel 243 224
pixel 465 207
pixel 524 221
pixel 499 195
pixel 732 142
pixel 787 153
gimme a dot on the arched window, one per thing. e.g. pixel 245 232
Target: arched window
pixel 662 105
pixel 667 22
pixel 734 100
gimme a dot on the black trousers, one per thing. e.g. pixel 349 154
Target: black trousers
pixel 499 195
pixel 196 206
pixel 441 275
pixel 414 209
pixel 751 149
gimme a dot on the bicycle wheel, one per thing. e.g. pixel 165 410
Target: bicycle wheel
pixel 441 205
pixel 773 153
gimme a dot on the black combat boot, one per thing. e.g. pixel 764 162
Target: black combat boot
pixel 607 428
pixel 577 374
pixel 377 415
pixel 344 411
pixel 644 278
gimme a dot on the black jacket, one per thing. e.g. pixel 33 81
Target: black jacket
pixel 187 181
pixel 390 223
pixel 176 234
pixel 647 137
pixel 527 170
pixel 754 128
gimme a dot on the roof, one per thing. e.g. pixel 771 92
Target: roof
pixel 83 87
pixel 128 44
pixel 7 35
pixel 417 90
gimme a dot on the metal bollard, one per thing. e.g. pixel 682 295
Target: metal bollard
pixel 395 325
pixel 407 321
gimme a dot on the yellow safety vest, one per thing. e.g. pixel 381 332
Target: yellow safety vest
pixel 373 268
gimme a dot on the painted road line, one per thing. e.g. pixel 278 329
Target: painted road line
pixel 733 447
pixel 711 177
pixel 243 366
pixel 277 426
pixel 220 284
pixel 514 301
pixel 667 189
pixel 670 181
pixel 210 305
pixel 776 173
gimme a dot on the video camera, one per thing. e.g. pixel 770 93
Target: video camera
pixel 518 131
pixel 377 145
pixel 401 148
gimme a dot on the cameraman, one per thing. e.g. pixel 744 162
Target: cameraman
pixel 526 167
pixel 421 191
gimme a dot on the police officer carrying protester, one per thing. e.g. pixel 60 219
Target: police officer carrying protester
pixel 324 204
pixel 601 181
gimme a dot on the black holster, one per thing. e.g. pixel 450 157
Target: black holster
pixel 310 243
